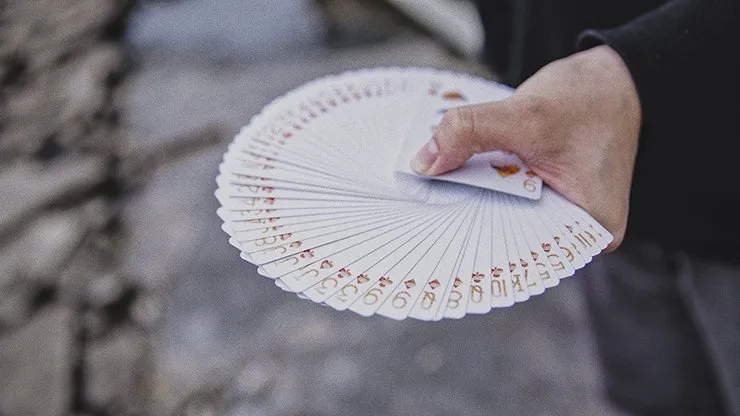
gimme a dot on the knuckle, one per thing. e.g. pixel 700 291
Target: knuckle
pixel 460 123
pixel 456 121
pixel 535 125
pixel 536 112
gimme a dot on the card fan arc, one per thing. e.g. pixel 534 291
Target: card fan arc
pixel 316 191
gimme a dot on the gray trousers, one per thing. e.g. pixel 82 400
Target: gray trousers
pixel 667 328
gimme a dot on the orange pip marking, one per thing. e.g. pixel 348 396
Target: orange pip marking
pixel 453 96
pixel 507 170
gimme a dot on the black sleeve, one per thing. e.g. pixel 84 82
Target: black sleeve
pixel 684 58
pixel 677 52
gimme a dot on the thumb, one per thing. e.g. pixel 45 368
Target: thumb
pixel 466 130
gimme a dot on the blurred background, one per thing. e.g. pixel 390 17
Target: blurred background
pixel 119 294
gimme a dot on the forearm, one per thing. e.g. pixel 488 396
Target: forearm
pixel 684 59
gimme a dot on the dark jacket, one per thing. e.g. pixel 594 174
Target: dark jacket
pixel 684 56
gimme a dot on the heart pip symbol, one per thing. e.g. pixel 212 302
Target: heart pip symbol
pixel 453 96
pixel 506 170
pixel 343 272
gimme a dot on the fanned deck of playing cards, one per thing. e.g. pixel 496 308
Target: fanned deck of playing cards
pixel 317 192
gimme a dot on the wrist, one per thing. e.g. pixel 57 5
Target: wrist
pixel 614 76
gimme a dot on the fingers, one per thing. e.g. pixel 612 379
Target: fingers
pixel 472 129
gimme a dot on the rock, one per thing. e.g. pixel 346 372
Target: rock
pixel 8 269
pixel 425 399
pixel 149 257
pixel 26 186
pixel 65 23
pixel 430 358
pixel 57 80
pixel 21 139
pixel 98 138
pixel 256 378
pixel 117 371
pixel 36 102
pixel 15 303
pixel 56 58
pixel 288 397
pixel 48 243
pixel 36 365
pixel 104 289
pixel 96 213
pixel 95 324
pixel 84 266
pixel 84 84
pixel 247 408
pixel 146 311
pixel 341 374
pixel 44 248
pixel 302 328
pixel 200 406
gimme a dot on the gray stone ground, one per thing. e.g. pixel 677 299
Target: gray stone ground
pixel 119 294
pixel 228 341
pixel 60 66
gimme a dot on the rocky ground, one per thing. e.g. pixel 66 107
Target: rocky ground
pixel 61 66
pixel 119 293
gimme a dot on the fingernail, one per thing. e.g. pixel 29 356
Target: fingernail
pixel 425 158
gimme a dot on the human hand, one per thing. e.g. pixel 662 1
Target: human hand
pixel 575 123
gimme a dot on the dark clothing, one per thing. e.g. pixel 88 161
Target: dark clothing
pixel 666 326
pixel 666 316
pixel 684 57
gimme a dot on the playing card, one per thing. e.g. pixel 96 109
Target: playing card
pixel 317 192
